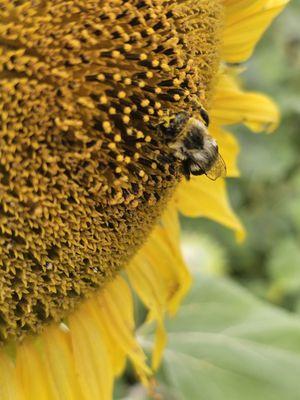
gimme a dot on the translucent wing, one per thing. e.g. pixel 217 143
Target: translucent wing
pixel 218 169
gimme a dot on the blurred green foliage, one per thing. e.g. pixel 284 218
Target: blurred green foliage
pixel 267 196
pixel 227 344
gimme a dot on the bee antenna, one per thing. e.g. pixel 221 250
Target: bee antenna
pixel 205 116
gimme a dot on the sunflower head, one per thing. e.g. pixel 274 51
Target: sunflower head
pixel 84 171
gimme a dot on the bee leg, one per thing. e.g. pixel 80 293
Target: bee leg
pixel 204 116
pixel 196 169
pixel 186 169
pixel 199 172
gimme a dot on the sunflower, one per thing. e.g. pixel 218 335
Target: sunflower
pixel 90 191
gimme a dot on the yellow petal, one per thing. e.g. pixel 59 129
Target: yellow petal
pixel 158 270
pixel 119 324
pixel 231 105
pixel 229 149
pixel 9 384
pixel 201 197
pixel 159 275
pixel 116 353
pixel 151 290
pixel 170 229
pixel 57 355
pixel 246 21
pixel 32 373
pixel 92 362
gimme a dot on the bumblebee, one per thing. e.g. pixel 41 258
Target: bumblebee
pixel 189 138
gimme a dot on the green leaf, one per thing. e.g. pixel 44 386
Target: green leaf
pixel 225 344
pixel 283 266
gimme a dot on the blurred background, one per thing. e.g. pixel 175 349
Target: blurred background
pixel 237 335
pixel 267 196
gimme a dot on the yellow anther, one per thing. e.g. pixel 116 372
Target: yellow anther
pixel 122 94
pixel 140 135
pixel 107 127
pixel 143 57
pixel 145 103
pixel 112 111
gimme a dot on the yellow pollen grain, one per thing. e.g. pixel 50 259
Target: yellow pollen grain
pixel 117 138
pixel 145 103
pixel 117 77
pixel 122 94
pixel 127 47
pixel 112 146
pixel 101 77
pixel 127 110
pixel 103 100
pixel 116 54
pixel 107 127
pixel 143 57
pixel 140 135
pixel 112 111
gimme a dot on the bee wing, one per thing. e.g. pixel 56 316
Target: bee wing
pixel 218 169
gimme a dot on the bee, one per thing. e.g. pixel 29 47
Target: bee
pixel 189 138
